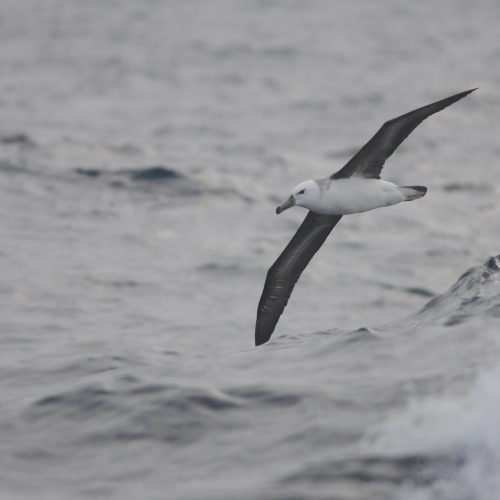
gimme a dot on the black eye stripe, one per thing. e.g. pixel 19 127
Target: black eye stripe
pixel 302 191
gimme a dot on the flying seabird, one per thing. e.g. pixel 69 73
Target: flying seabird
pixel 355 188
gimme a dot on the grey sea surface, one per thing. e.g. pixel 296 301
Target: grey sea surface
pixel 143 149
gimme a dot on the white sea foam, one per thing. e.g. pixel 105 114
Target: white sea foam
pixel 464 428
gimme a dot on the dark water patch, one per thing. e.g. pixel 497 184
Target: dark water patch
pixel 416 470
pixel 143 174
pixel 456 319
pixel 456 186
pixel 148 389
pixel 171 182
pixel 422 292
pixel 89 172
pixel 171 353
pixel 20 138
pixel 210 402
pixel 412 290
pixel 254 395
pixel 153 174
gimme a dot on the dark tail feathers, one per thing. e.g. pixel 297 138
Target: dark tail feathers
pixel 412 192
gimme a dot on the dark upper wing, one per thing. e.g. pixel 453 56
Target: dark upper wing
pixel 285 272
pixel 369 160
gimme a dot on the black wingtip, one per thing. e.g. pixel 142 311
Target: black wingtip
pixel 460 95
pixel 261 337
pixel 463 94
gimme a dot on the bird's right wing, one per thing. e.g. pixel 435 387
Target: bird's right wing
pixel 285 272
pixel 370 159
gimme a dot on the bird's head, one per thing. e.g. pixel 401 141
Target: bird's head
pixel 306 194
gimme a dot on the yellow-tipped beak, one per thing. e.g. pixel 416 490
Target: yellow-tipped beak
pixel 288 204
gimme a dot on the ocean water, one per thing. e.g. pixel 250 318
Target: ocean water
pixel 143 149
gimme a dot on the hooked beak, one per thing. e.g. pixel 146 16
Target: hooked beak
pixel 288 204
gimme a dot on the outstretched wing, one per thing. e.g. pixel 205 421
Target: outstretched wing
pixel 370 159
pixel 285 272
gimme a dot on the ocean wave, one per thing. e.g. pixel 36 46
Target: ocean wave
pixel 476 292
pixel 153 411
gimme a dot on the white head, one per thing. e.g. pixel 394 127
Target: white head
pixel 306 195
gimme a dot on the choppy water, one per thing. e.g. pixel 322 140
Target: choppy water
pixel 143 148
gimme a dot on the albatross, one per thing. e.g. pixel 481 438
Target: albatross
pixel 355 188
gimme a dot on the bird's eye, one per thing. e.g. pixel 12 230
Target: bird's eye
pixel 302 191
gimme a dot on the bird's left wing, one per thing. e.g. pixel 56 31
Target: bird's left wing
pixel 370 159
pixel 285 272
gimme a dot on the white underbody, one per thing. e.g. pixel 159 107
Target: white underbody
pixel 355 195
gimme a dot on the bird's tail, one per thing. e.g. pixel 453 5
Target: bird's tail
pixel 412 192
